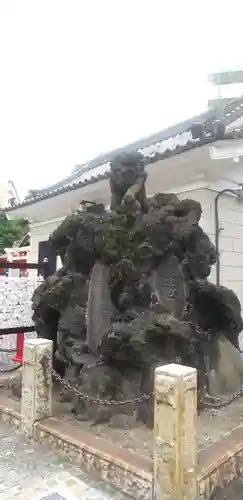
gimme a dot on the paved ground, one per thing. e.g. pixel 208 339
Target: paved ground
pixel 30 471
pixel 233 492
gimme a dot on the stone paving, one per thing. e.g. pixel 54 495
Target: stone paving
pixel 232 492
pixel 31 471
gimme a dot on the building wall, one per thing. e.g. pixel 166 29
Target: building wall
pixel 41 232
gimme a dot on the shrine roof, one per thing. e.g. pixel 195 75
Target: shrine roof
pixel 205 128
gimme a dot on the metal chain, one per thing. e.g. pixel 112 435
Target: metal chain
pixel 11 350
pixel 222 404
pixel 206 405
pixel 11 369
pixel 81 395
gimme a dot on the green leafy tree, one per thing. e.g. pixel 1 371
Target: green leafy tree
pixel 11 231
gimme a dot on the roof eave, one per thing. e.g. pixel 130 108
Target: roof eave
pixel 231 113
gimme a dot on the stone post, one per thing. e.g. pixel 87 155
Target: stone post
pixel 36 402
pixel 175 450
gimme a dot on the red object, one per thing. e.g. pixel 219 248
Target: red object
pixel 20 336
pixel 2 269
pixel 19 345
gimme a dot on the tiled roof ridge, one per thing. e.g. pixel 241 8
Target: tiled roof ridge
pixel 167 133
pixel 171 131
pixel 194 133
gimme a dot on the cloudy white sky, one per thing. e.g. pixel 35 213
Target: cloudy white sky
pixel 81 77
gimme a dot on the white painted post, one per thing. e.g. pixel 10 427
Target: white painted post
pixel 36 402
pixel 175 450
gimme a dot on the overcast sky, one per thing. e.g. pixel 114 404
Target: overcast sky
pixel 81 77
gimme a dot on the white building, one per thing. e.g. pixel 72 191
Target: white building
pixel 8 194
pixel 195 159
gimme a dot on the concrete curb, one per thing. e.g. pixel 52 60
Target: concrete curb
pixel 10 416
pixel 125 470
pixel 218 464
pixel 121 468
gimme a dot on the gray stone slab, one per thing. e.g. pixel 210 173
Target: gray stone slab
pixel 169 286
pixel 100 309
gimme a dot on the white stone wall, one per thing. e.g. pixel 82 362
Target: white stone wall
pixel 15 310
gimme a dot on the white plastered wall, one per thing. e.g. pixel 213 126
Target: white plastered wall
pixel 41 232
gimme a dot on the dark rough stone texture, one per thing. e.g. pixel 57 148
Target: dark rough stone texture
pixel 153 304
pixel 127 181
pixel 169 285
pixel 100 309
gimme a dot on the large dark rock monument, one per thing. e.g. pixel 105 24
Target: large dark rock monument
pixel 133 294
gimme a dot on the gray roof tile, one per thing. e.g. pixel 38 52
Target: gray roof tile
pixel 174 140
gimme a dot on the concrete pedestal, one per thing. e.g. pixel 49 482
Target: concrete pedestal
pixel 175 451
pixel 36 402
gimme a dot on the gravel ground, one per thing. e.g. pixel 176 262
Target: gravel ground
pixel 212 425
